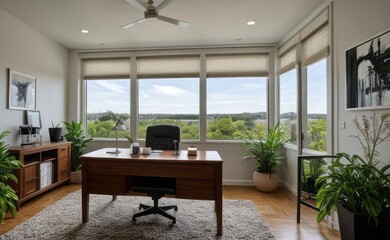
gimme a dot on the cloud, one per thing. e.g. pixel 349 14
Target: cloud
pixel 169 90
pixel 112 87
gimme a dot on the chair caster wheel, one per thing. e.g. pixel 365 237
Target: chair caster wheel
pixel 175 209
pixel 174 221
pixel 134 219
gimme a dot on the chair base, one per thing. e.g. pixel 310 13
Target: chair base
pixel 155 209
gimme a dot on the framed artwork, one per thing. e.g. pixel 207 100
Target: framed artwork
pixel 21 91
pixel 368 74
pixel 34 119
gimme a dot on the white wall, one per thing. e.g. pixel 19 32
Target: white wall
pixel 355 21
pixel 26 50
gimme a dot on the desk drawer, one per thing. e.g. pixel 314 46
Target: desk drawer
pixel 104 184
pixel 194 189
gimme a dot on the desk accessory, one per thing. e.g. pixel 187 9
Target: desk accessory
pixel 120 126
pixel 29 135
pixel 192 151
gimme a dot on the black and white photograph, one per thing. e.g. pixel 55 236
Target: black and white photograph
pixel 22 91
pixel 368 73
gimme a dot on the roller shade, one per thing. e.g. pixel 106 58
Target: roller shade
pixel 106 68
pixel 315 24
pixel 288 45
pixel 287 61
pixel 316 46
pixel 168 67
pixel 237 65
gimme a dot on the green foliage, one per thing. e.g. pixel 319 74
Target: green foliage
pixel 8 163
pixel 79 142
pixel 312 170
pixel 317 135
pixel 265 152
pixel 358 185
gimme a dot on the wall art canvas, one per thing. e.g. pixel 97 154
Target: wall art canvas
pixel 368 74
pixel 22 91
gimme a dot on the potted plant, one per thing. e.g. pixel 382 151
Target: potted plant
pixel 75 134
pixel 55 132
pixel 359 187
pixel 265 152
pixel 8 164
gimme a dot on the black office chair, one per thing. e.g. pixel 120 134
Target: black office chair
pixel 158 137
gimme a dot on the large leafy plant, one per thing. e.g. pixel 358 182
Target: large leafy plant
pixel 266 151
pixel 358 184
pixel 8 163
pixel 79 142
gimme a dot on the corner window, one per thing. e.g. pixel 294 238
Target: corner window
pixel 288 104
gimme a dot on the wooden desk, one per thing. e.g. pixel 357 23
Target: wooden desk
pixel 197 177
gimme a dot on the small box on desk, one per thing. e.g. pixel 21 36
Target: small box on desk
pixel 192 151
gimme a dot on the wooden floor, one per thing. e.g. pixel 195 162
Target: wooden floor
pixel 277 208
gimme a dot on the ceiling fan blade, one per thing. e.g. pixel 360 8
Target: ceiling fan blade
pixel 173 21
pixel 132 24
pixel 136 4
pixel 163 4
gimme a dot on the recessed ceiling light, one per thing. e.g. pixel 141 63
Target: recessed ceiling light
pixel 84 30
pixel 251 22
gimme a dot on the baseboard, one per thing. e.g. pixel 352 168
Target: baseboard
pixel 288 187
pixel 238 182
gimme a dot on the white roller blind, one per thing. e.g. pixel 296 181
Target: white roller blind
pixel 237 65
pixel 287 61
pixel 315 24
pixel 316 46
pixel 168 67
pixel 106 68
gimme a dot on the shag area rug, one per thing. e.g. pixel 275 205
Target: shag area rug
pixel 113 220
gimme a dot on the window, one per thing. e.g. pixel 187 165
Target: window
pixel 316 128
pixel 288 104
pixel 236 96
pixel 169 93
pixel 170 101
pixel 236 108
pixel 107 95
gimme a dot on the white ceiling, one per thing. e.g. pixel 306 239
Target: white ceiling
pixel 212 22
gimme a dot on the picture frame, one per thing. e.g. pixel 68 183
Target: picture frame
pixel 21 91
pixel 34 119
pixel 368 74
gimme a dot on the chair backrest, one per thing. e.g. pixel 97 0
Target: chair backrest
pixel 162 137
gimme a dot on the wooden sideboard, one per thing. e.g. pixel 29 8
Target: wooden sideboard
pixel 46 166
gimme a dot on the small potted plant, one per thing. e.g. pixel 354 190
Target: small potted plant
pixel 359 187
pixel 265 152
pixel 79 143
pixel 8 164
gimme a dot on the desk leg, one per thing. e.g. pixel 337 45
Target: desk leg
pixel 84 192
pixel 85 206
pixel 218 198
pixel 113 197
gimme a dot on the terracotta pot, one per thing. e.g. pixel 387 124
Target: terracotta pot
pixel 264 182
pixel 75 177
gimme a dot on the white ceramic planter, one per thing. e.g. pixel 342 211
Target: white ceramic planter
pixel 264 182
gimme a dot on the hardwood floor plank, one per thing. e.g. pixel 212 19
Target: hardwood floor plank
pixel 278 210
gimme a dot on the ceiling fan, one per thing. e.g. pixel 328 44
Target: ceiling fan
pixel 152 13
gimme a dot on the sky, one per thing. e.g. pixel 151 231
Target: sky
pixel 181 96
